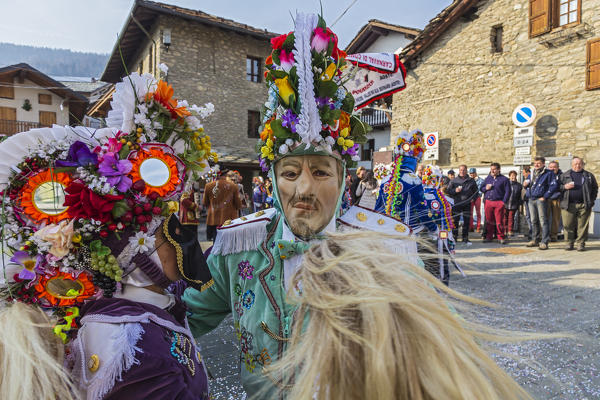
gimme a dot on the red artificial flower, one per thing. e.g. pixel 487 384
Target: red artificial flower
pixel 84 203
pixel 277 42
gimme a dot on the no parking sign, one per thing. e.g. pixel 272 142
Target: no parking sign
pixel 431 146
pixel 524 115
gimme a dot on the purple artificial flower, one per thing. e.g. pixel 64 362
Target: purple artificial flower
pixel 324 101
pixel 79 156
pixel 263 164
pixel 28 263
pixel 116 172
pixel 289 120
pixel 352 150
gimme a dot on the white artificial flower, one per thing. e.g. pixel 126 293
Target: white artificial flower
pixel 289 142
pixel 157 125
pixel 283 149
pixel 141 242
pixel 330 140
pixel 182 103
pixel 163 67
pixel 356 158
pixel 131 90
pixel 193 122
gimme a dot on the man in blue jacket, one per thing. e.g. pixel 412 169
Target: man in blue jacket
pixel 539 191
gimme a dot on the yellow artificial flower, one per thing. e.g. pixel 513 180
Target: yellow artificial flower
pixel 345 132
pixel 285 90
pixel 329 72
pixel 348 143
pixel 76 238
pixel 340 141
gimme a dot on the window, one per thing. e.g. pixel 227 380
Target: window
pixel 253 124
pixel 253 69
pixel 547 14
pixel 592 78
pixel 7 90
pixel 367 150
pixel 568 12
pixel 47 118
pixel 44 98
pixel 496 39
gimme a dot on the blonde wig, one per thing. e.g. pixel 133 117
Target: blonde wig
pixel 372 326
pixel 31 356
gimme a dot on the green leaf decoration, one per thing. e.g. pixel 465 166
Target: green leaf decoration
pixel 124 152
pixel 279 131
pixel 279 74
pixel 359 129
pixel 327 88
pixel 321 23
pixel 348 103
pixel 119 209
pixel 275 56
pixel 288 44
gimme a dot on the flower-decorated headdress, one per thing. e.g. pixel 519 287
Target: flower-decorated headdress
pixel 308 110
pixel 432 176
pixel 80 207
pixel 410 144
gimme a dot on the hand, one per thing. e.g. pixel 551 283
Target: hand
pixel 570 185
pixel 458 189
pixel 541 199
pixel 526 183
pixel 488 186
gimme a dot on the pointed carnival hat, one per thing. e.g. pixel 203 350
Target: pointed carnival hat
pixel 81 206
pixel 308 110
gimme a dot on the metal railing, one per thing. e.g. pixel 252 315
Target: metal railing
pixel 10 127
pixel 375 118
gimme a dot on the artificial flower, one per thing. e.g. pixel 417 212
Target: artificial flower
pixel 286 60
pixel 141 242
pixel 329 72
pixel 289 120
pixel 84 203
pixel 269 60
pixel 344 120
pixel 113 146
pixel 28 263
pixel 79 156
pixel 285 90
pixel 116 172
pixel 127 94
pixel 164 96
pixel 59 236
pixel 163 68
pixel 321 39
pixel 278 41
pixel 267 132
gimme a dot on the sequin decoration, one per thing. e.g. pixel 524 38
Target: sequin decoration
pixel 248 299
pixel 239 309
pixel 237 289
pixel 246 270
pixel 183 349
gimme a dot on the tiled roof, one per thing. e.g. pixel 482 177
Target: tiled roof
pixel 373 29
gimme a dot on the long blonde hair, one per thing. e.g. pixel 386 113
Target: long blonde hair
pixel 31 357
pixel 376 328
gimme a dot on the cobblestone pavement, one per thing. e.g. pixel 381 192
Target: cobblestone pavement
pixel 535 291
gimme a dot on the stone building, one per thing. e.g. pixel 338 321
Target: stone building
pixel 379 37
pixel 31 99
pixel 477 60
pixel 210 59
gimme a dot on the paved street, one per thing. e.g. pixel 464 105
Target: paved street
pixel 536 291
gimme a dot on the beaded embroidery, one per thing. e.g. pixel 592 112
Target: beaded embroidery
pixel 248 299
pixel 183 350
pixel 246 270
pixel 237 289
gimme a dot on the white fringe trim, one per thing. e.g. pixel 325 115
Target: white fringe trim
pixel 124 345
pixel 309 122
pixel 246 237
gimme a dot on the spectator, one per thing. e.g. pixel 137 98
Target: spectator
pixel 235 178
pixel 580 189
pixel 367 191
pixel 420 171
pixel 554 204
pixel 451 174
pixel 222 202
pixel 513 203
pixel 539 190
pixel 269 190
pixel 476 202
pixel 360 172
pixel 496 190
pixel 462 190
pixel 259 194
pixel 526 178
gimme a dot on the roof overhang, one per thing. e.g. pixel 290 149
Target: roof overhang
pixel 370 32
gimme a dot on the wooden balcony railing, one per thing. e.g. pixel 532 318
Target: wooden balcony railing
pixel 10 127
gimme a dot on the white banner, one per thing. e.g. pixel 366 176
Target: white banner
pixel 378 76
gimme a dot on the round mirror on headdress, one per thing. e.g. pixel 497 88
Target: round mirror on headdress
pixel 63 289
pixel 43 195
pixel 158 168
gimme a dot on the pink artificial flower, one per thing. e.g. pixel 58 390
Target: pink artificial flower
pixel 320 40
pixel 287 60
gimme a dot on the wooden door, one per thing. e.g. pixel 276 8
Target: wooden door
pixel 8 120
pixel 47 118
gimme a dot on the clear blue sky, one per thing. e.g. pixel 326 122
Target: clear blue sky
pixel 92 25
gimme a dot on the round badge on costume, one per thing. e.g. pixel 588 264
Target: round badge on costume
pixel 435 205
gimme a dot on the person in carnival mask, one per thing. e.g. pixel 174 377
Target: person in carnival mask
pixel 309 136
pixel 91 222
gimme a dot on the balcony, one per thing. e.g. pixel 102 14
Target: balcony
pixel 375 118
pixel 10 127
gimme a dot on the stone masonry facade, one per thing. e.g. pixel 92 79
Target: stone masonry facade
pixel 467 93
pixel 208 64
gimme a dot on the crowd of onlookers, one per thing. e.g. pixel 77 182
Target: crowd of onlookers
pixel 546 197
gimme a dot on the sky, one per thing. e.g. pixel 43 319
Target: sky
pixel 93 25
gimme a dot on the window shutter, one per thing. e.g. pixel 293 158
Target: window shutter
pixel 592 78
pixel 539 17
pixel 7 91
pixel 47 118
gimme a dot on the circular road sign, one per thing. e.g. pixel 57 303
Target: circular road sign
pixel 524 115
pixel 431 140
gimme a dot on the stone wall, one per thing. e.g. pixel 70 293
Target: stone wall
pixel 467 93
